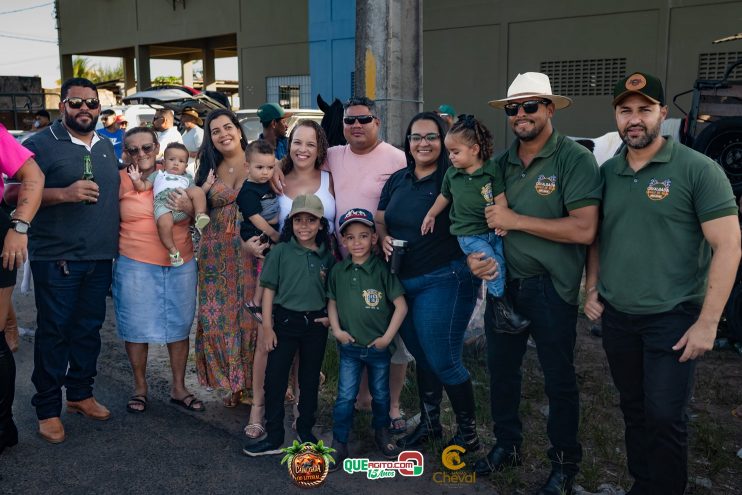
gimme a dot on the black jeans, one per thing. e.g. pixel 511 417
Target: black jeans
pixel 553 327
pixel 71 308
pixel 294 331
pixel 655 389
pixel 7 387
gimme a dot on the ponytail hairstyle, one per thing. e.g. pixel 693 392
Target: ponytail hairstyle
pixel 472 131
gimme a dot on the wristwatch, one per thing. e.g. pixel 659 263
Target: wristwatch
pixel 20 226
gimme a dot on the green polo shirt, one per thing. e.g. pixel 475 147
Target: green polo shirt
pixel 562 177
pixel 653 255
pixel 469 194
pixel 298 275
pixel 364 295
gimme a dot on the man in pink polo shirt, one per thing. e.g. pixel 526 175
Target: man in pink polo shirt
pixel 359 171
pixel 15 161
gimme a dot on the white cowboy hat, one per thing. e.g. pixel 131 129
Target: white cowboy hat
pixel 532 84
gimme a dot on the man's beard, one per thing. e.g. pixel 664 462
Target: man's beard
pixel 528 135
pixel 73 124
pixel 642 141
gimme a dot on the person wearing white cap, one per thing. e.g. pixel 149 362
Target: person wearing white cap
pixel 554 191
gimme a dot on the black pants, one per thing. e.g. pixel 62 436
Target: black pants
pixel 553 328
pixel 295 331
pixel 655 389
pixel 7 387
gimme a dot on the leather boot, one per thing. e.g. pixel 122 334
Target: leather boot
pixel 506 319
pixel 90 408
pixel 51 430
pixel 462 402
pixel 8 431
pixel 430 393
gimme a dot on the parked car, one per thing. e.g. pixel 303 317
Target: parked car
pixel 175 99
pixel 251 124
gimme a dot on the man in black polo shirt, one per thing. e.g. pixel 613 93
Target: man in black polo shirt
pixel 553 189
pixel 666 209
pixel 71 247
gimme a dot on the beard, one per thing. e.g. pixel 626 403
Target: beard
pixel 642 141
pixel 72 123
pixel 528 135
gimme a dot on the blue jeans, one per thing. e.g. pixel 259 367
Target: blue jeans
pixel 655 389
pixel 491 245
pixel 352 360
pixel 553 328
pixel 440 304
pixel 70 312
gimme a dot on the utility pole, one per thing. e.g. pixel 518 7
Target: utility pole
pixel 389 61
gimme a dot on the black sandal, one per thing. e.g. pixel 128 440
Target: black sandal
pixel 134 400
pixel 191 404
pixel 255 311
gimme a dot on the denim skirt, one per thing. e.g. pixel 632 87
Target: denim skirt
pixel 154 304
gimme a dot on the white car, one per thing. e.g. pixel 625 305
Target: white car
pixel 252 127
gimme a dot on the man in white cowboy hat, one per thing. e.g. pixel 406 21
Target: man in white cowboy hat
pixel 193 136
pixel 553 188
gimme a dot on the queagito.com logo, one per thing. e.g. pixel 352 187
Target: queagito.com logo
pixel 408 463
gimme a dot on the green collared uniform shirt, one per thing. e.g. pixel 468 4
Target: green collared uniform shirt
pixel 653 254
pixel 562 177
pixel 469 195
pixel 298 275
pixel 364 295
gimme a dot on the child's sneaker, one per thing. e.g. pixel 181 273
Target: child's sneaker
pixel 202 220
pixel 383 440
pixel 175 259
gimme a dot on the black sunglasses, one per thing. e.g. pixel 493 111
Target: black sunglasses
pixel 146 148
pixel 75 102
pixel 530 106
pixel 362 119
pixel 431 137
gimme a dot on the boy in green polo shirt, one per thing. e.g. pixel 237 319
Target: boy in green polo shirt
pixel 366 308
pixel 473 183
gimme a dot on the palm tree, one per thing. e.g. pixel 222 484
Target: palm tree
pixel 81 68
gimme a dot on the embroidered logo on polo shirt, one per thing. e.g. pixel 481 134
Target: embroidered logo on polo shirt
pixel 546 185
pixel 487 193
pixel 372 298
pixel 658 189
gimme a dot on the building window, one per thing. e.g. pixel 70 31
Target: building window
pixel 593 77
pixel 713 65
pixel 290 91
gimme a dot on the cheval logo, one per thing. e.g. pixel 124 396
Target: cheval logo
pixel 451 457
pixel 658 189
pixel 372 297
pixel 454 476
pixel 635 82
pixel 487 193
pixel 546 185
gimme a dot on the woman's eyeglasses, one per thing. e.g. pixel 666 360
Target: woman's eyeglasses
pixel 362 119
pixel 530 106
pixel 75 102
pixel 146 149
pixel 430 137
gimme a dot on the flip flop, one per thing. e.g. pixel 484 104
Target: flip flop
pixel 134 400
pixel 232 400
pixel 399 425
pixel 189 405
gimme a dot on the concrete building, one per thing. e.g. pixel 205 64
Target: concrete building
pixel 289 51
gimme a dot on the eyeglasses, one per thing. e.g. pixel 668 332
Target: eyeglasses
pixel 146 149
pixel 430 137
pixel 362 119
pixel 530 106
pixel 75 102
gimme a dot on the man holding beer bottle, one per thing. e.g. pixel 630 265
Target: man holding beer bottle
pixel 72 243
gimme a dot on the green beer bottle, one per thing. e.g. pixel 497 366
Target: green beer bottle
pixel 87 171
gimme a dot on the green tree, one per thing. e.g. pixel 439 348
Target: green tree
pixel 109 73
pixel 81 68
pixel 167 80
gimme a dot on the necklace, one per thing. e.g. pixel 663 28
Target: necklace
pixel 231 170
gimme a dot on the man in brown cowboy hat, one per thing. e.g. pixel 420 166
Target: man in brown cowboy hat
pixel 193 136
pixel 553 190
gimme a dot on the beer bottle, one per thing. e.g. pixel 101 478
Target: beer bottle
pixel 87 171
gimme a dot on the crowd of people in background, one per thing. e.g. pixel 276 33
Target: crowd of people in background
pixel 293 244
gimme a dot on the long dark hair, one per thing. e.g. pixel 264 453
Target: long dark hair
pixel 323 235
pixel 287 164
pixel 443 161
pixel 208 156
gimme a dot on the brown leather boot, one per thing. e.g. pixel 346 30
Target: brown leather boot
pixel 90 408
pixel 51 430
pixel 11 331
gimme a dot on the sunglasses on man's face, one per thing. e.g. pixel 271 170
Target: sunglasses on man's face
pixel 362 119
pixel 75 102
pixel 146 149
pixel 530 106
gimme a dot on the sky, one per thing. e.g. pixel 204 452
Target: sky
pixel 28 46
